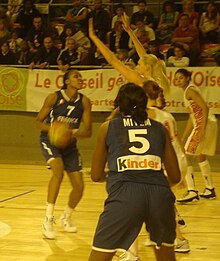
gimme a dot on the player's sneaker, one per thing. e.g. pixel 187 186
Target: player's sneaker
pixel 189 196
pixel 208 193
pixel 68 224
pixel 181 246
pixel 128 256
pixel 48 229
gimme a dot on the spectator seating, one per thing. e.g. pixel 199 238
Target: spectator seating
pixel 207 52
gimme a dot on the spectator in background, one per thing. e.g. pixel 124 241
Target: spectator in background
pixel 147 16
pixel 118 38
pixel 82 42
pixel 24 56
pixel 14 42
pixel 209 24
pixel 167 23
pixel 67 32
pixel 69 56
pixel 95 57
pixel 188 8
pixel 154 48
pixel 119 10
pixel 26 15
pixel 5 35
pixel 187 35
pixel 78 16
pixel 101 20
pixel 36 34
pixel 45 55
pixel 179 59
pixel 6 55
pixel 140 24
pixel 122 56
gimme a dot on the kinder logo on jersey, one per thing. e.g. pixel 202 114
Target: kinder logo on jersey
pixel 134 162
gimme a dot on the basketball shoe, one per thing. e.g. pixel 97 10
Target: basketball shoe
pixel 181 246
pixel 189 196
pixel 208 193
pixel 67 224
pixel 48 229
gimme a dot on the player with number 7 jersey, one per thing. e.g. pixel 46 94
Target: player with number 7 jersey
pixel 69 107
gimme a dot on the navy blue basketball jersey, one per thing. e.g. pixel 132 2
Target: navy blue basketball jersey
pixel 135 152
pixel 67 111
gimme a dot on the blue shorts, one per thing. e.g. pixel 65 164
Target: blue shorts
pixel 70 155
pixel 127 208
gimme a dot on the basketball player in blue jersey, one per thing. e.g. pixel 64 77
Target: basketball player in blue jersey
pixel 70 106
pixel 135 149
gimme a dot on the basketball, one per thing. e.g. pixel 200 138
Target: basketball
pixel 60 134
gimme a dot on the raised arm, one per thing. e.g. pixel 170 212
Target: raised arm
pixel 128 73
pixel 138 46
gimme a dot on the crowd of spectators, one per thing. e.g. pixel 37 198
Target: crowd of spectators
pixel 29 38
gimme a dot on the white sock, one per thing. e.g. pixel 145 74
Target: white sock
pixel 49 210
pixel 190 178
pixel 68 210
pixel 206 173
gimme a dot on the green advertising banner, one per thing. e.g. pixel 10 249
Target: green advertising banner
pixel 13 82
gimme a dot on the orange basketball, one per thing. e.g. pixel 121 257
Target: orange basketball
pixel 60 134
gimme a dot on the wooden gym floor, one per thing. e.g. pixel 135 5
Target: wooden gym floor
pixel 22 208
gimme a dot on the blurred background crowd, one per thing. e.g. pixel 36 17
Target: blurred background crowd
pixel 46 34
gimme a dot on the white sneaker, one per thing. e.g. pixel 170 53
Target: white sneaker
pixel 181 246
pixel 68 224
pixel 128 256
pixel 48 229
pixel 189 196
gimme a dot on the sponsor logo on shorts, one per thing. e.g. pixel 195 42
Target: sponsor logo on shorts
pixel 135 162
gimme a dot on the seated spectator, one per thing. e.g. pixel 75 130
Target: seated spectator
pixel 118 38
pixel 122 56
pixel 6 55
pixel 101 20
pixel 24 56
pixel 5 35
pixel 188 8
pixel 119 10
pixel 167 23
pixel 147 15
pixel 14 42
pixel 69 56
pixel 36 34
pixel 45 55
pixel 187 35
pixel 78 16
pixel 25 16
pixel 140 27
pixel 154 48
pixel 179 59
pixel 95 57
pixel 209 24
pixel 67 32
